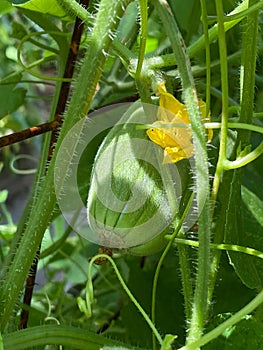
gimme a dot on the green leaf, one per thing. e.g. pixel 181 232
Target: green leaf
pixel 253 204
pixel 168 340
pixel 115 348
pixel 225 293
pixel 8 231
pixel 3 196
pixel 18 2
pixel 247 334
pixel 5 7
pixel 11 98
pixel 253 174
pixel 18 30
pixel 188 20
pixel 83 307
pixel 1 342
pixel 71 337
pixel 244 227
pixel 151 44
pixel 50 7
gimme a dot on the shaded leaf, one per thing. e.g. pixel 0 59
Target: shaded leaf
pixel 188 20
pixel 243 228
pixel 18 30
pixel 247 334
pixel 230 292
pixel 11 98
pixel 18 2
pixel 115 348
pixel 253 176
pixel 253 205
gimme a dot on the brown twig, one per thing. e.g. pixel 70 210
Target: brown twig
pixel 28 133
pixel 63 97
pixel 52 126
pixel 30 283
pixel 69 70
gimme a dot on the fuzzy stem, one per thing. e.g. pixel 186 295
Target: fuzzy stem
pixel 143 36
pixel 207 54
pixel 184 262
pixel 224 83
pixel 70 337
pixel 248 72
pixel 141 75
pixel 223 139
pixel 106 23
pixel 252 305
pixel 72 7
pixel 202 176
pixel 40 173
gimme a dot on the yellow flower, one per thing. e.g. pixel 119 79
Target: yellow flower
pixel 176 141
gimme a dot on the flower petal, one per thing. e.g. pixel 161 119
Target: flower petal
pixel 175 154
pixel 171 109
pixel 176 141
pixel 170 136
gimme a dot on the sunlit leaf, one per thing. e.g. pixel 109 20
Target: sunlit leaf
pixel 5 7
pixel 3 196
pixel 50 7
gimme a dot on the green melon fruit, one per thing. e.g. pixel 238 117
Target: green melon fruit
pixel 131 202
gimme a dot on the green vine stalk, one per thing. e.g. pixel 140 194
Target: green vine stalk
pixel 91 69
pixel 126 289
pixel 199 307
pixel 56 335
